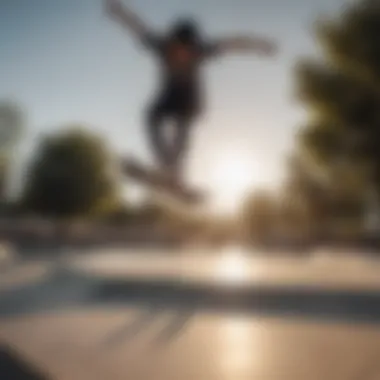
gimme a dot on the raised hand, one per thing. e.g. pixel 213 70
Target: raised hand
pixel 125 16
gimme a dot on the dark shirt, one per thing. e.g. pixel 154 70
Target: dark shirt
pixel 180 64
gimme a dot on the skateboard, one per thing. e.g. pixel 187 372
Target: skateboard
pixel 160 180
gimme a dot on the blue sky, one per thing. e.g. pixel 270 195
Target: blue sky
pixel 65 62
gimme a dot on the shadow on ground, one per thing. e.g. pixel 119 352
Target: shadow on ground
pixel 70 289
pixel 12 367
pixel 173 327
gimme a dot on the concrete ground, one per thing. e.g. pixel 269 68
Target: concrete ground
pixel 88 322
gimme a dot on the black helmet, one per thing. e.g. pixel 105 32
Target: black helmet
pixel 186 31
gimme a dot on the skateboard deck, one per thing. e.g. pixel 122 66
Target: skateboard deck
pixel 159 180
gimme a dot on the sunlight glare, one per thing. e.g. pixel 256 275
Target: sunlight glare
pixel 240 345
pixel 232 267
pixel 231 180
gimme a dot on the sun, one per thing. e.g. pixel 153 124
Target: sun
pixel 231 180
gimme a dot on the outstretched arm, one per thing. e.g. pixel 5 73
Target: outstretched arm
pixel 126 17
pixel 247 44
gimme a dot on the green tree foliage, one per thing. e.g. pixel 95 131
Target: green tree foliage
pixel 11 125
pixel 342 90
pixel 314 205
pixel 260 216
pixel 304 201
pixel 70 176
pixel 11 128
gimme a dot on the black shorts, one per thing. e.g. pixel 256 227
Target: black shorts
pixel 178 102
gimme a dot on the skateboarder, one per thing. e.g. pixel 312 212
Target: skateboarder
pixel 181 53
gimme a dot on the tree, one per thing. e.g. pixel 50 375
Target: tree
pixel 304 201
pixel 70 176
pixel 260 216
pixel 11 128
pixel 341 92
pixel 11 124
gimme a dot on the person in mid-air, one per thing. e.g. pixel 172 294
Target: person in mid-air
pixel 181 53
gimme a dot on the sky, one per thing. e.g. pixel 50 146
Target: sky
pixel 65 62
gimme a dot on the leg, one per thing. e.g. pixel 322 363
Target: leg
pixel 188 109
pixel 156 134
pixel 180 143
